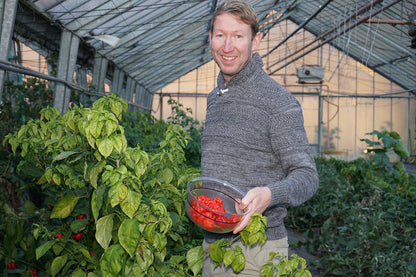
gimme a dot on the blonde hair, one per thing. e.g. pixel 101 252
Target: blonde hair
pixel 239 9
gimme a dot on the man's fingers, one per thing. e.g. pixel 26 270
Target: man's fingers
pixel 247 199
pixel 243 223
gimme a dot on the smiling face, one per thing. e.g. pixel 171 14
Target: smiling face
pixel 232 44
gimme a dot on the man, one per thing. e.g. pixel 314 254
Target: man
pixel 254 136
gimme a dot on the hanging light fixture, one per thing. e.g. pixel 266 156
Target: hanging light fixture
pixel 108 39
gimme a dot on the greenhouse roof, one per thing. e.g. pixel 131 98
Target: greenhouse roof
pixel 156 42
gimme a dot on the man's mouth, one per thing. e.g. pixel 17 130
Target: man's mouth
pixel 228 58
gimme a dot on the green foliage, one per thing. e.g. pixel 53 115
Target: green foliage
pixel 22 102
pixel 133 221
pixel 194 128
pixel 143 129
pixel 386 143
pixel 296 266
pixel 329 137
pixel 223 252
pixel 361 220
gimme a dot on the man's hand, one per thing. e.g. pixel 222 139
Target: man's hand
pixel 256 200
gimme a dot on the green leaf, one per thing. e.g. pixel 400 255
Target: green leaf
pixel 131 203
pixel 266 270
pixel 395 135
pixel 399 166
pixel 91 139
pixel 112 260
pixel 150 231
pixel 97 199
pixel 229 257
pixel 117 193
pixel 30 169
pixel 239 260
pixel 86 254
pixel 79 225
pixel 65 206
pixel 64 155
pixel 217 251
pixel 93 173
pixel 381 158
pixel 195 259
pixel 57 264
pixel 388 141
pixel 167 175
pixel 401 150
pixel 110 126
pixel 145 258
pixel 105 146
pixel 78 273
pixel 119 142
pixel 104 230
pixel 13 142
pixel 116 108
pixel 41 250
pixel 94 128
pixel 254 238
pixel 129 235
pixel 160 242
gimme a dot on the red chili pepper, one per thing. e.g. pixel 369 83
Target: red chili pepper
pixel 81 216
pixel 50 206
pixel 34 272
pixel 59 235
pixel 78 236
pixel 214 217
pixel 12 265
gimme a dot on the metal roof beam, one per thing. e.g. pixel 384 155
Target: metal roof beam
pixel 331 38
pixel 315 14
pixel 130 41
pixel 333 29
pixel 93 18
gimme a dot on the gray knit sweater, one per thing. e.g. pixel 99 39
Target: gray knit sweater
pixel 254 136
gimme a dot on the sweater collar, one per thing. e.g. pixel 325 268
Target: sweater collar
pixel 254 64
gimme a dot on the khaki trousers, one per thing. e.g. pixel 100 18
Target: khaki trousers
pixel 256 257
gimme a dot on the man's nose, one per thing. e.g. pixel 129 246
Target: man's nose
pixel 228 45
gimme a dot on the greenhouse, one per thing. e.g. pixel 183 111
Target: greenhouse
pixel 109 97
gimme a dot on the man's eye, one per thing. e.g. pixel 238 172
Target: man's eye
pixel 238 36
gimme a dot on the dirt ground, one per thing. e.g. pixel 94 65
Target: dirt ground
pixel 410 168
pixel 293 236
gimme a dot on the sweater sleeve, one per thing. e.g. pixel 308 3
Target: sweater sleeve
pixel 292 149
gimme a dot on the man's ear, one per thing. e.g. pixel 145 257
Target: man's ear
pixel 256 42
